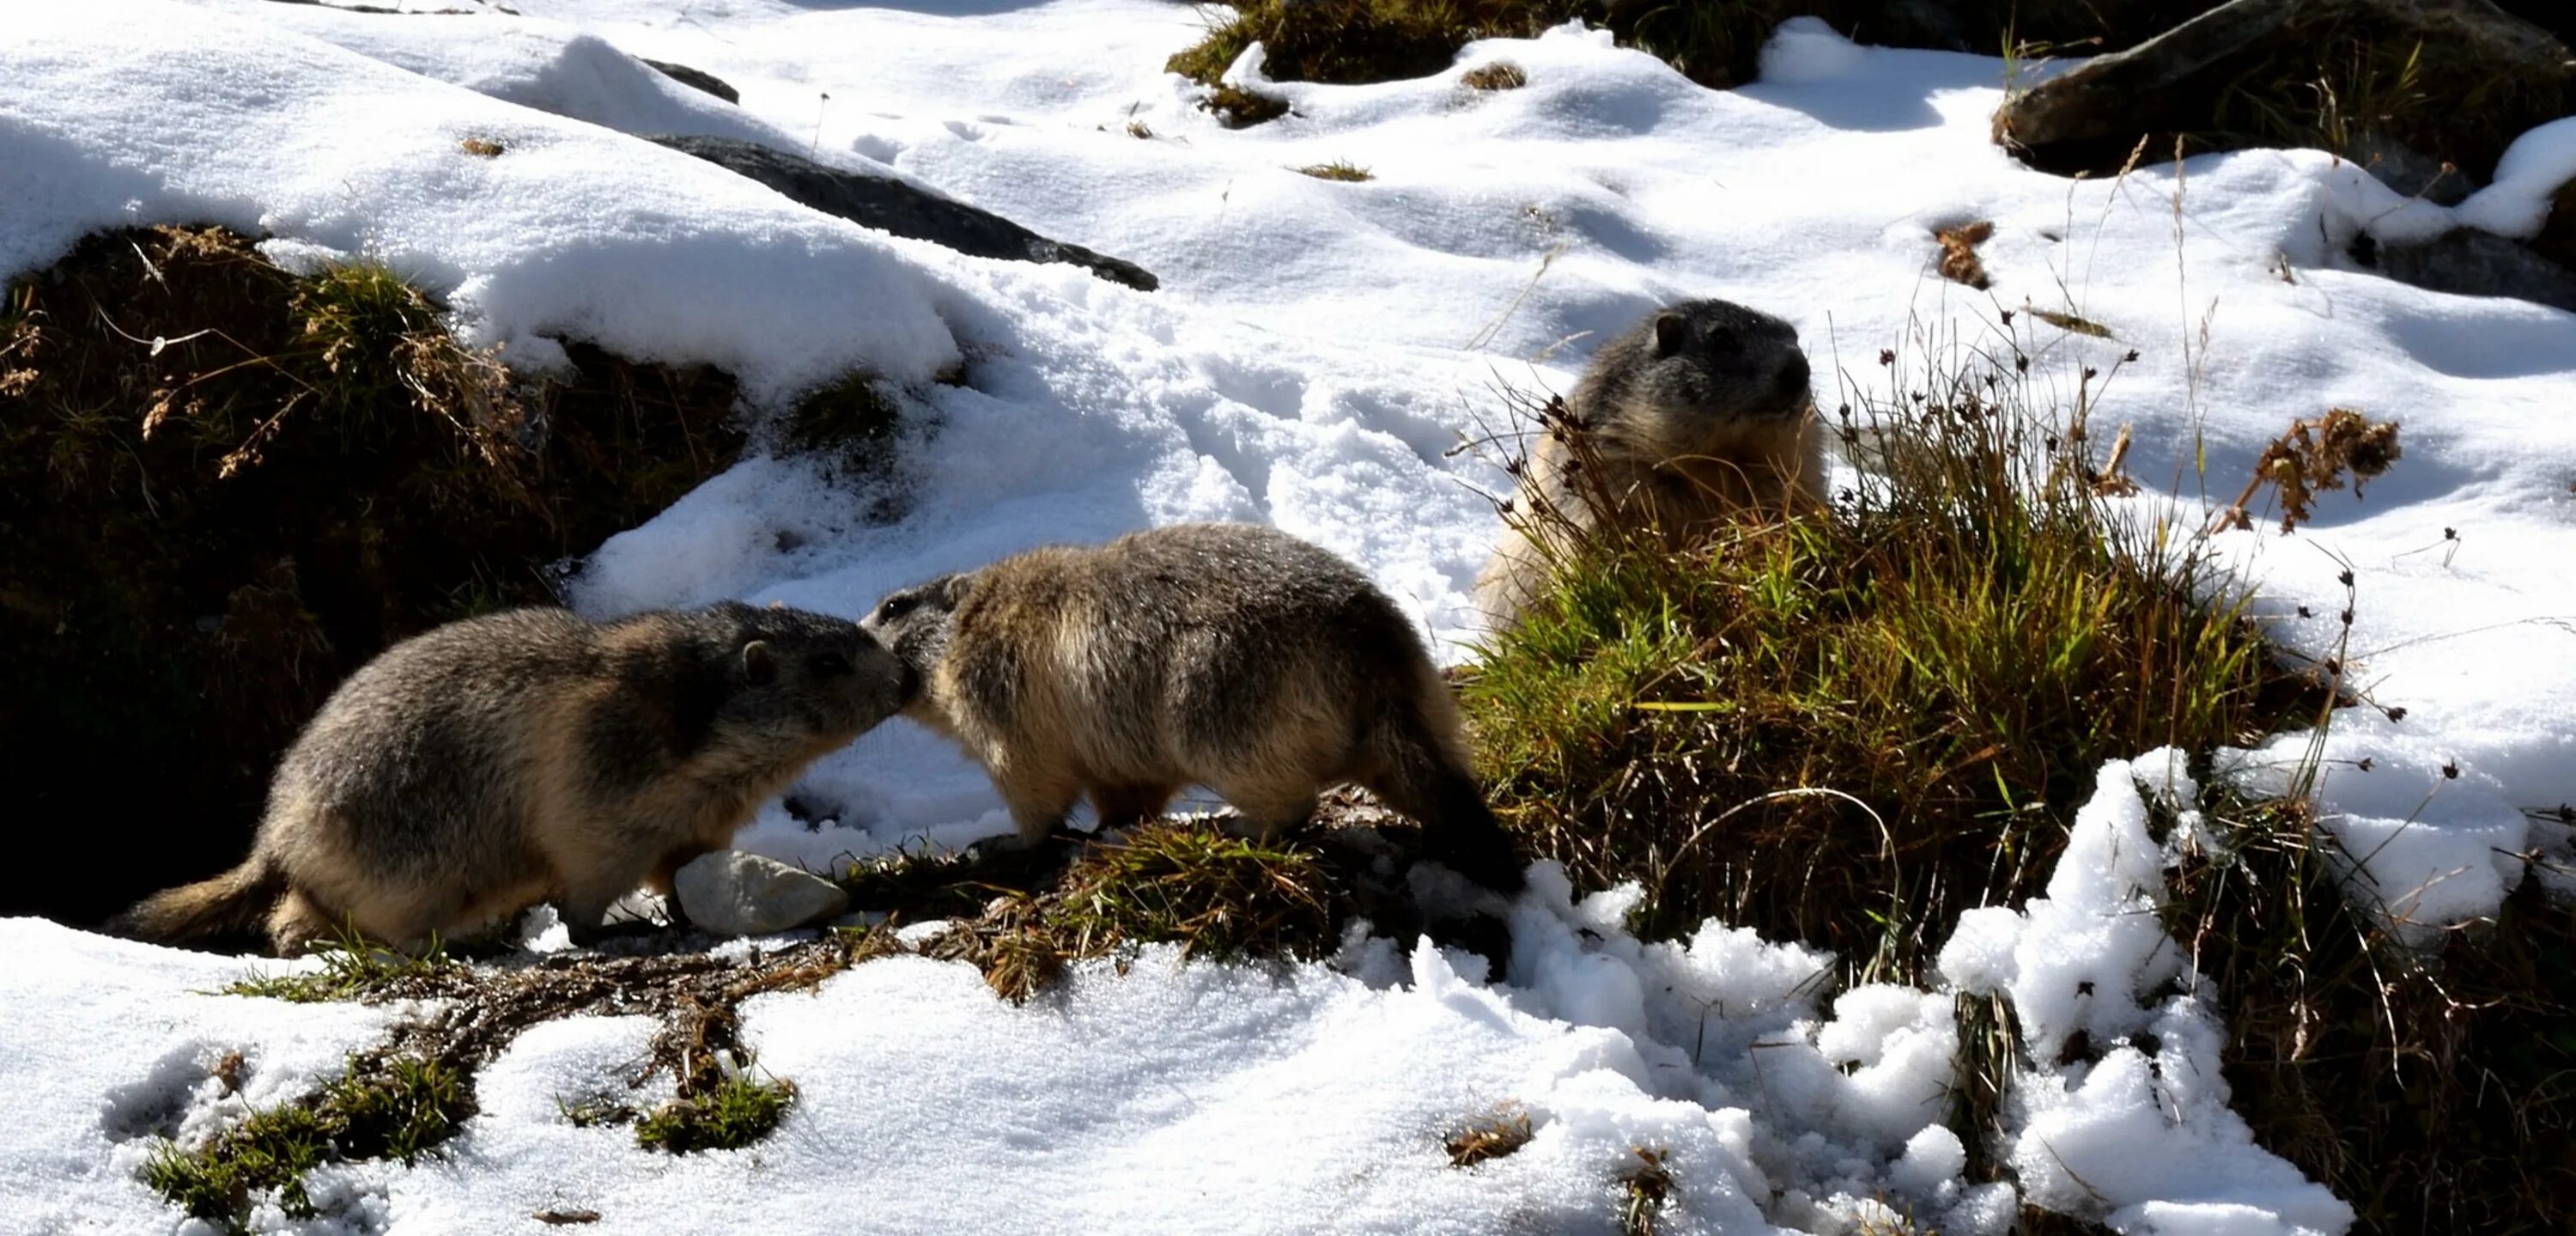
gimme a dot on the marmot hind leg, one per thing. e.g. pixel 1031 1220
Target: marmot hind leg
pixel 1130 804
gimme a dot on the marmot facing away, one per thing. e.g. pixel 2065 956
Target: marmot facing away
pixel 1232 656
pixel 1699 412
pixel 481 767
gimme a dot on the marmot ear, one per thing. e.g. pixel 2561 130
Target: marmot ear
pixel 758 667
pixel 1672 333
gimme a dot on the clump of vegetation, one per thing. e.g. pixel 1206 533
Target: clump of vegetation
pixel 2356 85
pixel 1714 42
pixel 1338 170
pixel 852 422
pixel 352 969
pixel 2312 458
pixel 1847 728
pixel 1500 75
pixel 2433 1094
pixel 1643 1192
pixel 399 1107
pixel 1215 894
pixel 1240 108
pixel 732 1114
pixel 1490 1136
pixel 1020 919
pixel 224 486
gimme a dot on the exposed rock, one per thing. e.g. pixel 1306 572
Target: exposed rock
pixel 2091 116
pixel 2469 262
pixel 730 893
pixel 2408 170
pixel 697 78
pixel 2557 238
pixel 891 205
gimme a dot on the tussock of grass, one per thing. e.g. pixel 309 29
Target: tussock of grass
pixel 733 1114
pixel 1500 75
pixel 2433 1096
pixel 1491 1136
pixel 398 1108
pixel 352 969
pixel 1643 1192
pixel 1219 896
pixel 1847 728
pixel 1189 883
pixel 1239 108
pixel 1338 170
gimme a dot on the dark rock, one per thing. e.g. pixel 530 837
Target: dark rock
pixel 2092 116
pixel 2557 238
pixel 890 205
pixel 2469 262
pixel 2408 170
pixel 697 78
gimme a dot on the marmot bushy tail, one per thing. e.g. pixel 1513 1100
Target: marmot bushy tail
pixel 529 755
pixel 236 903
pixel 1697 414
pixel 1232 656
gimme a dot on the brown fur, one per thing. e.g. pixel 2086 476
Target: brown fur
pixel 1227 655
pixel 1697 415
pixel 529 755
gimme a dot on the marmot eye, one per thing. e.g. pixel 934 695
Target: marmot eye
pixel 1722 342
pixel 898 605
pixel 831 665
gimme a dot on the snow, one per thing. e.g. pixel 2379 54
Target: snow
pixel 1314 354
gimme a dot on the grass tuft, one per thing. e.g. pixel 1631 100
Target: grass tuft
pixel 352 969
pixel 400 1108
pixel 1643 1192
pixel 733 1114
pixel 1490 1136
pixel 1848 728
pixel 1500 75
pixel 2431 1094
pixel 1338 170
pixel 1219 896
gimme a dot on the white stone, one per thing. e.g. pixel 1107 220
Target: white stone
pixel 730 893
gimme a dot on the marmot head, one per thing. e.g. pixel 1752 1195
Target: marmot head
pixel 1702 374
pixel 914 622
pixel 777 673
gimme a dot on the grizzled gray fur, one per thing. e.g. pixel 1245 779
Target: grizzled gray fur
pixel 529 755
pixel 1232 656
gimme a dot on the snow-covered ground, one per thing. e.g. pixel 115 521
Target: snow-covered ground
pixel 1315 351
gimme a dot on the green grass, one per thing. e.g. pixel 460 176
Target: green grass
pixel 400 1111
pixel 735 1113
pixel 1847 728
pixel 1217 895
pixel 1338 170
pixel 351 969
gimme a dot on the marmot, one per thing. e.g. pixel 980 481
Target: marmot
pixel 1232 656
pixel 489 764
pixel 1697 413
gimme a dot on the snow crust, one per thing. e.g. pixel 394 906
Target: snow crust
pixel 1316 351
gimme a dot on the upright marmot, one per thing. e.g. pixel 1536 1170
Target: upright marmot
pixel 1232 656
pixel 524 756
pixel 1697 413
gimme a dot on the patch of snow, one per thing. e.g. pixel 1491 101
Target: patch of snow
pixel 1314 355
